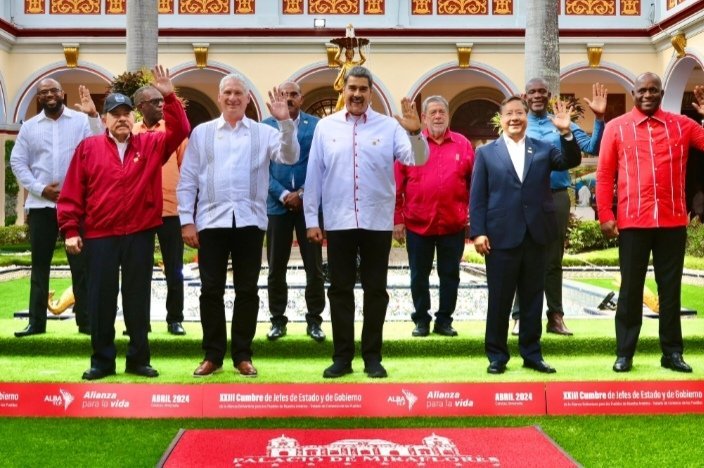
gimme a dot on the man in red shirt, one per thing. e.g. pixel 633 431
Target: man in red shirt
pixel 109 206
pixel 431 214
pixel 646 152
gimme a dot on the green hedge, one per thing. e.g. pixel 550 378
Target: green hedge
pixel 12 188
pixel 695 238
pixel 14 235
pixel 583 236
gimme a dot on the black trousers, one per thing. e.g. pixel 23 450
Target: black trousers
pixel 373 248
pixel 279 237
pixel 171 244
pixel 43 232
pixel 244 245
pixel 133 255
pixel 421 251
pixel 554 252
pixel 634 247
pixel 519 269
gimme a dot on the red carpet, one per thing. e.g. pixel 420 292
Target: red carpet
pixel 520 447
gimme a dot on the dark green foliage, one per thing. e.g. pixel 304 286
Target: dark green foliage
pixel 12 188
pixel 14 235
pixel 129 82
pixel 583 236
pixel 695 238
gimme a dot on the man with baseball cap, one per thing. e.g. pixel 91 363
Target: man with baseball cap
pixel 109 207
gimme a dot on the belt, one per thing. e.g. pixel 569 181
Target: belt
pixel 555 190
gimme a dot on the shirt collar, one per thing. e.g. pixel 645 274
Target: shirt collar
pixel 115 139
pixel 640 117
pixel 509 141
pixel 222 123
pixel 448 135
pixel 153 128
pixel 68 113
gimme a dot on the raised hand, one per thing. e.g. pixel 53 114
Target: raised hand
pixel 409 119
pixel 162 80
pixel 277 105
pixel 699 95
pixel 87 106
pixel 598 102
pixel 561 118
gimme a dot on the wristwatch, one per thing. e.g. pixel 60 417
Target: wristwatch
pixel 300 193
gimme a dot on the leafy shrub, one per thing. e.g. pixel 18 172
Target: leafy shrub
pixel 586 235
pixel 13 235
pixel 695 238
pixel 12 188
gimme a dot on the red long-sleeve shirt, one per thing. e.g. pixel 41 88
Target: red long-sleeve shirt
pixel 648 158
pixel 433 199
pixel 103 196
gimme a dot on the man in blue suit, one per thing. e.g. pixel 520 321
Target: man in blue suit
pixel 512 219
pixel 285 211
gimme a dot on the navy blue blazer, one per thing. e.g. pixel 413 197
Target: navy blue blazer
pixel 290 177
pixel 502 207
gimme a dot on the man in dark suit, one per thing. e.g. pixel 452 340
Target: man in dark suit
pixel 284 207
pixel 512 219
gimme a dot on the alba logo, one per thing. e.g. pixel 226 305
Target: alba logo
pixel 64 399
pixel 408 398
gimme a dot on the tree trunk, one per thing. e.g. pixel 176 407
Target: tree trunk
pixel 543 43
pixel 142 34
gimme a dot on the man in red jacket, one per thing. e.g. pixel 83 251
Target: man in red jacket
pixel 110 206
pixel 645 152
pixel 432 204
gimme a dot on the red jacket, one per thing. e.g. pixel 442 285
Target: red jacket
pixel 648 157
pixel 103 196
pixel 433 199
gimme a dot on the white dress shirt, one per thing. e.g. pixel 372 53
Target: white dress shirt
pixel 227 177
pixel 43 151
pixel 517 152
pixel 351 170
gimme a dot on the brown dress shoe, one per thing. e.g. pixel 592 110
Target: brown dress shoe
pixel 556 324
pixel 246 369
pixel 207 368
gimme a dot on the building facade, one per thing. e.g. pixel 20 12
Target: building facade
pixel 469 51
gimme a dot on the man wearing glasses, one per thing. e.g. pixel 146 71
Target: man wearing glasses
pixel 39 160
pixel 149 101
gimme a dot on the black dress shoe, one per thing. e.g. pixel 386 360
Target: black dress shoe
pixel 375 370
pixel 175 328
pixel 277 331
pixel 422 329
pixel 29 330
pixel 95 374
pixel 144 371
pixel 314 331
pixel 338 369
pixel 675 362
pixel 496 367
pixel 623 364
pixel 540 366
pixel 444 330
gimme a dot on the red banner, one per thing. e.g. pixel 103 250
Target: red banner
pixel 270 400
pixel 348 400
pixel 101 400
pixel 657 397
pixel 386 400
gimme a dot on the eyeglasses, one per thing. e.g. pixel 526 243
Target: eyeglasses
pixel 46 92
pixel 154 102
